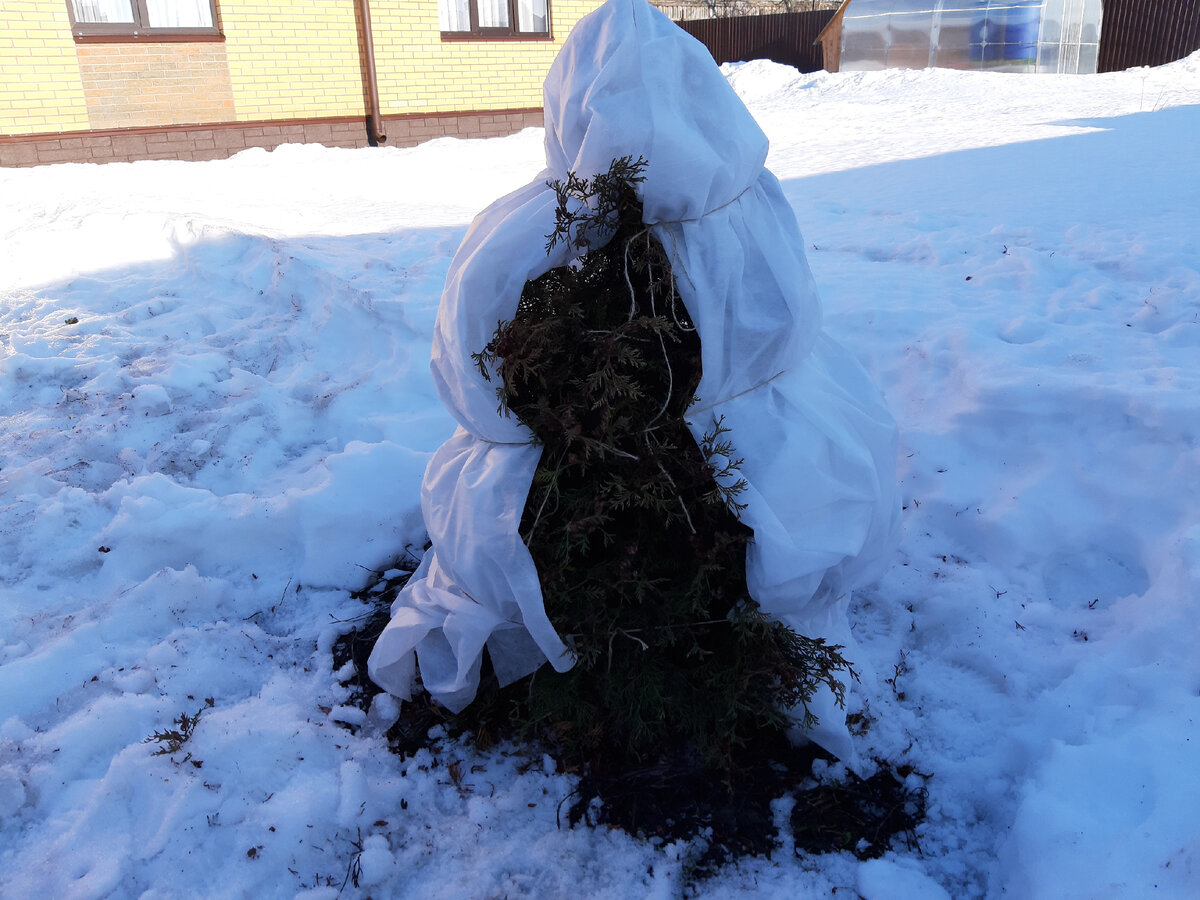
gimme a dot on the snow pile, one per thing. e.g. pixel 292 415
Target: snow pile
pixel 217 409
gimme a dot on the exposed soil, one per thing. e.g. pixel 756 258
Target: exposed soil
pixel 674 798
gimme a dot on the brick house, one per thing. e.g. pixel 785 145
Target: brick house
pixel 110 80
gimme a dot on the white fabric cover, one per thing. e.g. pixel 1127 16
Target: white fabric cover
pixel 818 444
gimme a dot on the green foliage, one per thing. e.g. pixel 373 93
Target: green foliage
pixel 589 209
pixel 172 740
pixel 639 549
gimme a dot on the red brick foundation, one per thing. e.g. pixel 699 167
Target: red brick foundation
pixel 198 142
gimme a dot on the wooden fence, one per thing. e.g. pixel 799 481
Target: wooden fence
pixel 788 38
pixel 1147 32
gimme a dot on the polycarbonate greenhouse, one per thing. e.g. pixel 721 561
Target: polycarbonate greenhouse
pixel 1060 36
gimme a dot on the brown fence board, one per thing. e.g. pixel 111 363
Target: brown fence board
pixel 1147 32
pixel 788 38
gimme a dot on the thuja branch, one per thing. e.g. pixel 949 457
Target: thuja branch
pixel 631 522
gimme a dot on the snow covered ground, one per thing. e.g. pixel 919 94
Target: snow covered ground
pixel 217 409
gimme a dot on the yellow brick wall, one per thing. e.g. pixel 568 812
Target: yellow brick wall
pixel 302 59
pixel 294 59
pixel 280 60
pixel 420 73
pixel 40 88
pixel 131 84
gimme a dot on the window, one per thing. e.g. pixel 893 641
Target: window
pixel 124 20
pixel 494 18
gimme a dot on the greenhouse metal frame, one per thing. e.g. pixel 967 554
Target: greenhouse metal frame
pixel 1048 36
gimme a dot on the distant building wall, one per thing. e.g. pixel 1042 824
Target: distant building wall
pixel 40 88
pixel 134 85
pixel 419 72
pixel 295 59
pixel 276 72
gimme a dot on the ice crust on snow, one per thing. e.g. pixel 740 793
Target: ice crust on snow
pixel 1044 597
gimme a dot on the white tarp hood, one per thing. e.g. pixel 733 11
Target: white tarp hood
pixel 818 444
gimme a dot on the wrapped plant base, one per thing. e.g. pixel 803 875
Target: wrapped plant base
pixel 639 549
pixel 578 529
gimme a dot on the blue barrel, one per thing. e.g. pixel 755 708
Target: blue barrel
pixel 983 36
pixel 1021 25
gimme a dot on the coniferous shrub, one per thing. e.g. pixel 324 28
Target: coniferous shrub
pixel 639 549
pixel 676 713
